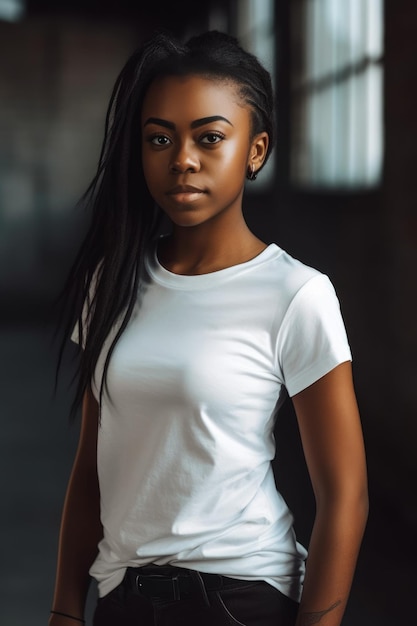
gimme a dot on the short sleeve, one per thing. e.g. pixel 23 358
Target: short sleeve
pixel 312 339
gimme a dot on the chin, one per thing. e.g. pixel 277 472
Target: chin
pixel 187 218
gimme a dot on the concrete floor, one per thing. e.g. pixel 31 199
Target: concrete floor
pixel 36 450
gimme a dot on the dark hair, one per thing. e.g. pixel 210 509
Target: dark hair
pixel 102 285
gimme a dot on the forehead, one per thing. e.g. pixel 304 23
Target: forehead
pixel 193 97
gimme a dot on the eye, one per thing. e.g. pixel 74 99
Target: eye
pixel 212 138
pixel 159 140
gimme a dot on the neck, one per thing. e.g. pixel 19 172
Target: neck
pixel 203 249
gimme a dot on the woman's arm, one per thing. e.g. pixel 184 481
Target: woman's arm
pixel 331 435
pixel 81 529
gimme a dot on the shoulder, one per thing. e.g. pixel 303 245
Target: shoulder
pixel 289 278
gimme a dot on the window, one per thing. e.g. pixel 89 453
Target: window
pixel 337 93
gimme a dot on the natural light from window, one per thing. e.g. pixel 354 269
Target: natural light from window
pixel 337 93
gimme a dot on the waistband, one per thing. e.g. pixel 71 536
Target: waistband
pixel 174 583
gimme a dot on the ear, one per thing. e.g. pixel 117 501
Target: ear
pixel 258 150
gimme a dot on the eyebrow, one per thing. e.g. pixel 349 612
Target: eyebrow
pixel 195 124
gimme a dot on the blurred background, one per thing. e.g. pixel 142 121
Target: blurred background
pixel 339 194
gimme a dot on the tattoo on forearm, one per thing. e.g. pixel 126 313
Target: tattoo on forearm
pixel 307 619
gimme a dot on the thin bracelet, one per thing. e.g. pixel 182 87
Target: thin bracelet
pixel 77 619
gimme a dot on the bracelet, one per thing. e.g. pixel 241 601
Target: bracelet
pixel 77 619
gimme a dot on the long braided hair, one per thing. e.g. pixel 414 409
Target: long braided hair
pixel 103 282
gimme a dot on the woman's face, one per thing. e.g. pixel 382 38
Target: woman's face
pixel 196 147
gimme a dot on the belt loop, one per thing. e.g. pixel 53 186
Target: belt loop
pixel 176 587
pixel 200 582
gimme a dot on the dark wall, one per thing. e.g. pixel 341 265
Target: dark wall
pixel 57 68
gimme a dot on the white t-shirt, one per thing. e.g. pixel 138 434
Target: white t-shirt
pixel 186 439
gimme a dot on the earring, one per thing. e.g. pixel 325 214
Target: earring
pixel 251 174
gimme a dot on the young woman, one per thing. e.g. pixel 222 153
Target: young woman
pixel 190 342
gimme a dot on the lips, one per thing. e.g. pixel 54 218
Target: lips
pixel 183 189
pixel 186 194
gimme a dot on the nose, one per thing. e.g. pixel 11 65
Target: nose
pixel 184 159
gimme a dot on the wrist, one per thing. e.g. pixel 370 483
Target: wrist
pixel 73 618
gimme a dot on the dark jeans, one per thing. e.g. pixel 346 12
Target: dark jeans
pixel 236 603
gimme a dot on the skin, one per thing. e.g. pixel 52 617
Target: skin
pixel 209 233
pixel 331 435
pixel 81 529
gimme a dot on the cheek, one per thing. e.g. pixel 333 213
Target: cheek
pixel 151 168
pixel 234 160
